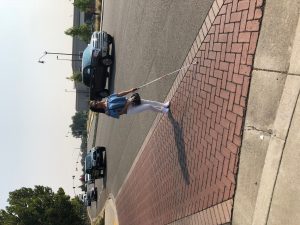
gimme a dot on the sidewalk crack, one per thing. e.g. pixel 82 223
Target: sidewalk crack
pixel 276 71
pixel 267 132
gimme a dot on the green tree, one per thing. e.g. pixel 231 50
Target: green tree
pixel 41 206
pixel 78 126
pixel 83 5
pixel 76 76
pixel 83 32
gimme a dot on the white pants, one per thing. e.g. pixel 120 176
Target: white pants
pixel 144 106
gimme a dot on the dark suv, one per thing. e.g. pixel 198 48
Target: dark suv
pixel 95 163
pixel 96 64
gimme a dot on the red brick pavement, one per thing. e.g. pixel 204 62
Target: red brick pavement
pixel 187 169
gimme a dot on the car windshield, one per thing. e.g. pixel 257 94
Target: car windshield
pixel 86 56
pixel 86 65
pixel 88 162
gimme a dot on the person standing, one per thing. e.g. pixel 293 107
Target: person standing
pixel 117 104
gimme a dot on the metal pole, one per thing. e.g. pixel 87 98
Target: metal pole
pixel 60 53
pixel 78 91
pixel 73 60
pixel 56 53
pixel 74 185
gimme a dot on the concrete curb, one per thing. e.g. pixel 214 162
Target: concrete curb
pixel 274 93
pixel 275 150
pixel 111 215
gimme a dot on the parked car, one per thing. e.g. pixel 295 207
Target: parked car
pixel 90 196
pixel 82 197
pixel 95 163
pixel 96 64
pixel 88 179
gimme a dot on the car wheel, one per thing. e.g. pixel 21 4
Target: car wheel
pixel 100 149
pixel 104 161
pixel 107 61
pixel 96 194
pixel 104 93
pixel 110 39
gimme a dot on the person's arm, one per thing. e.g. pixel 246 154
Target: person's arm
pixel 124 110
pixel 123 93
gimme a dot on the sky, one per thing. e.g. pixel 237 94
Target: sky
pixel 36 146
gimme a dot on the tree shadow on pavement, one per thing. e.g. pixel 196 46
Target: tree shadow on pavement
pixel 179 140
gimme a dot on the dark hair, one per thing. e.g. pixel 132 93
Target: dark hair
pixel 95 109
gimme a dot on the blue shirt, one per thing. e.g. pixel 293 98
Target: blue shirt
pixel 115 104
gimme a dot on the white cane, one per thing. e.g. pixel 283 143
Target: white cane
pixel 157 79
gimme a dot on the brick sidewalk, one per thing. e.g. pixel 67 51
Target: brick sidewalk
pixel 186 171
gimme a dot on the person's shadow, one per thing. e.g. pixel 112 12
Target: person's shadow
pixel 179 140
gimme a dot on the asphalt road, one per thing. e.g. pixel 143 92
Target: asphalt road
pixel 151 38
